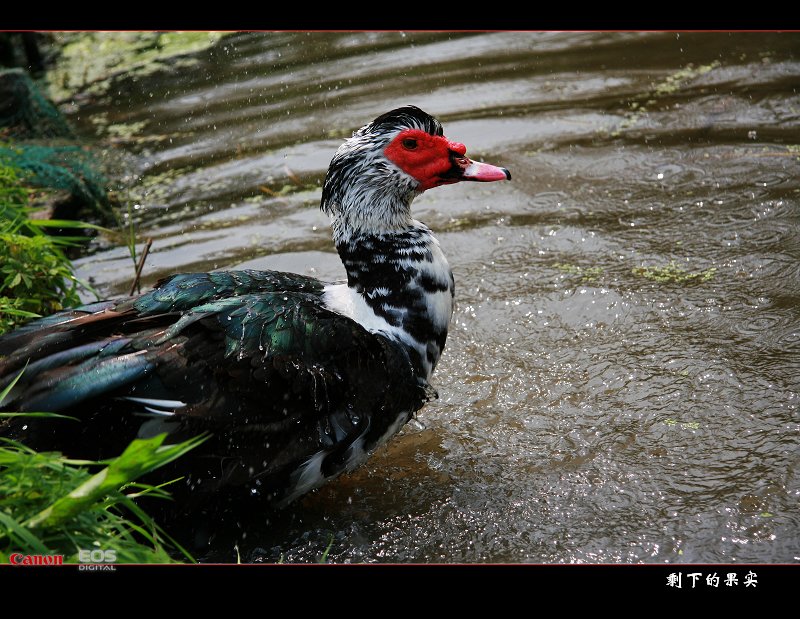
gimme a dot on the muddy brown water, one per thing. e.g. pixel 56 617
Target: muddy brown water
pixel 621 379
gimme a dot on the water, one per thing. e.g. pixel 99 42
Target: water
pixel 597 404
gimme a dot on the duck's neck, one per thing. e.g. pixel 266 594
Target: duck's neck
pixel 398 284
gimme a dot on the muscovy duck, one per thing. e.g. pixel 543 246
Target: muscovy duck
pixel 296 380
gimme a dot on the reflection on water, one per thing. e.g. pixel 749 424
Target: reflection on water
pixel 589 410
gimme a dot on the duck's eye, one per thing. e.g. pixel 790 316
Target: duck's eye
pixel 410 144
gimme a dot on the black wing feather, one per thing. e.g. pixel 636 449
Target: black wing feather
pixel 255 356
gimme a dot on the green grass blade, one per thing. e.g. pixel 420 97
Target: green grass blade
pixel 48 415
pixel 18 312
pixel 324 558
pixel 17 532
pixel 10 385
pixel 140 457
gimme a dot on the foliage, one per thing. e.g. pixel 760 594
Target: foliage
pixel 35 276
pixel 35 279
pixel 50 505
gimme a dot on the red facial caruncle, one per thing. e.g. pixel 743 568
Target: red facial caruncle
pixel 434 160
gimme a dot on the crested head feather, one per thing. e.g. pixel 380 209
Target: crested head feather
pixel 406 117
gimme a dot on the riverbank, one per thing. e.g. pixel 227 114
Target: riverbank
pixel 49 176
pixel 36 277
pixel 53 510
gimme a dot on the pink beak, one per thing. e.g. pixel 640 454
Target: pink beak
pixel 484 172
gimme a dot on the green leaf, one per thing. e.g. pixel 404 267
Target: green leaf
pixel 140 457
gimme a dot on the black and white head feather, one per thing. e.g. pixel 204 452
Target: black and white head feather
pixel 364 192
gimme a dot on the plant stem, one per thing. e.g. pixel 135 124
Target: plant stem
pixel 139 267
